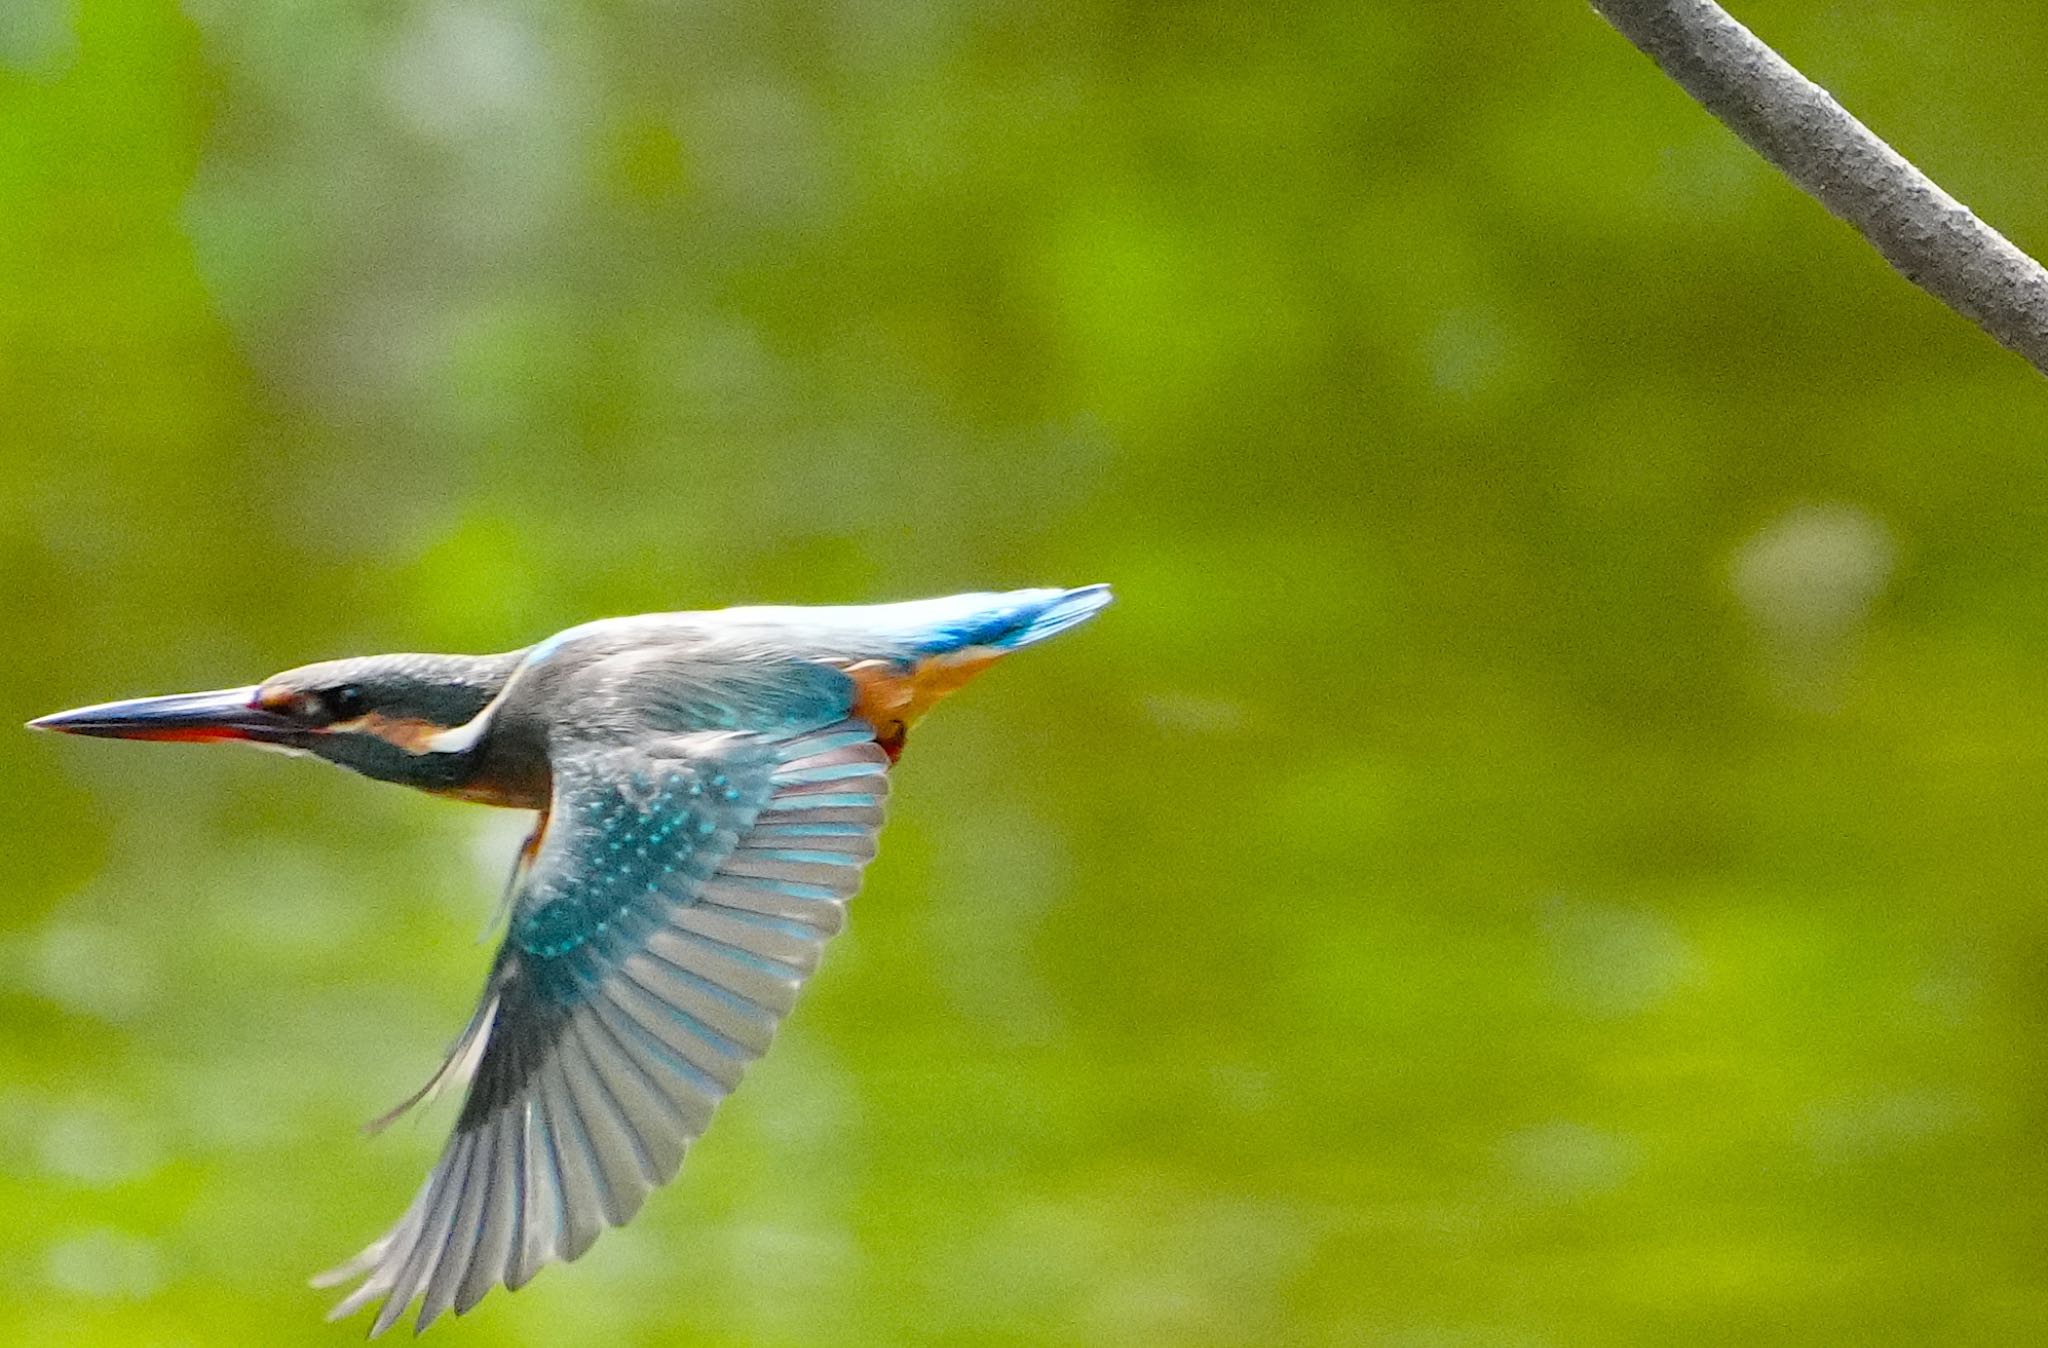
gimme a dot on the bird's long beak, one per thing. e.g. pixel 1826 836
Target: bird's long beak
pixel 231 714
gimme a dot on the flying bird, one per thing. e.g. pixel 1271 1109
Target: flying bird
pixel 708 788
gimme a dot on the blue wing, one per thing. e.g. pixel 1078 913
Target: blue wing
pixel 680 895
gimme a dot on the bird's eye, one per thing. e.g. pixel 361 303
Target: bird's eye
pixel 345 703
pixel 318 707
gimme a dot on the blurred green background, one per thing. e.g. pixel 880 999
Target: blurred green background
pixel 1551 847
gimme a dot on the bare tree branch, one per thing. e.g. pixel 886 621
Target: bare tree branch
pixel 1933 239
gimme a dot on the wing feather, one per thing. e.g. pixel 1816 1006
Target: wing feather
pixel 660 1102
pixel 465 1226
pixel 788 944
pixel 499 1235
pixel 820 909
pixel 746 976
pixel 678 900
pixel 431 1231
pixel 615 1153
pixel 545 1221
pixel 734 1026
pixel 703 1065
pixel 576 1157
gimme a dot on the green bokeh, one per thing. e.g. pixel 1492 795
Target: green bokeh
pixel 1547 850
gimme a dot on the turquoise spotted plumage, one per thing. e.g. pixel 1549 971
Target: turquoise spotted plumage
pixel 643 834
pixel 681 893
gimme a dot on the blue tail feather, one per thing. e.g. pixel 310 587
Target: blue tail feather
pixel 1008 621
pixel 1049 619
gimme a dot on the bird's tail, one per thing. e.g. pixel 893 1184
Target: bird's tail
pixel 1025 617
pixel 997 623
pixel 939 644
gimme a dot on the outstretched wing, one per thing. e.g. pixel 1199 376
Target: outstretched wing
pixel 680 895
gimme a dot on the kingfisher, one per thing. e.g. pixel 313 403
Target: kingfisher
pixel 708 787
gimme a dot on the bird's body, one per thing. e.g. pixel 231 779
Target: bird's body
pixel 709 786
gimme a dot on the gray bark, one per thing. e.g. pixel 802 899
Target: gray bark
pixel 1933 239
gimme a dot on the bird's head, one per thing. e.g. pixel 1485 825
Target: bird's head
pixel 379 715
